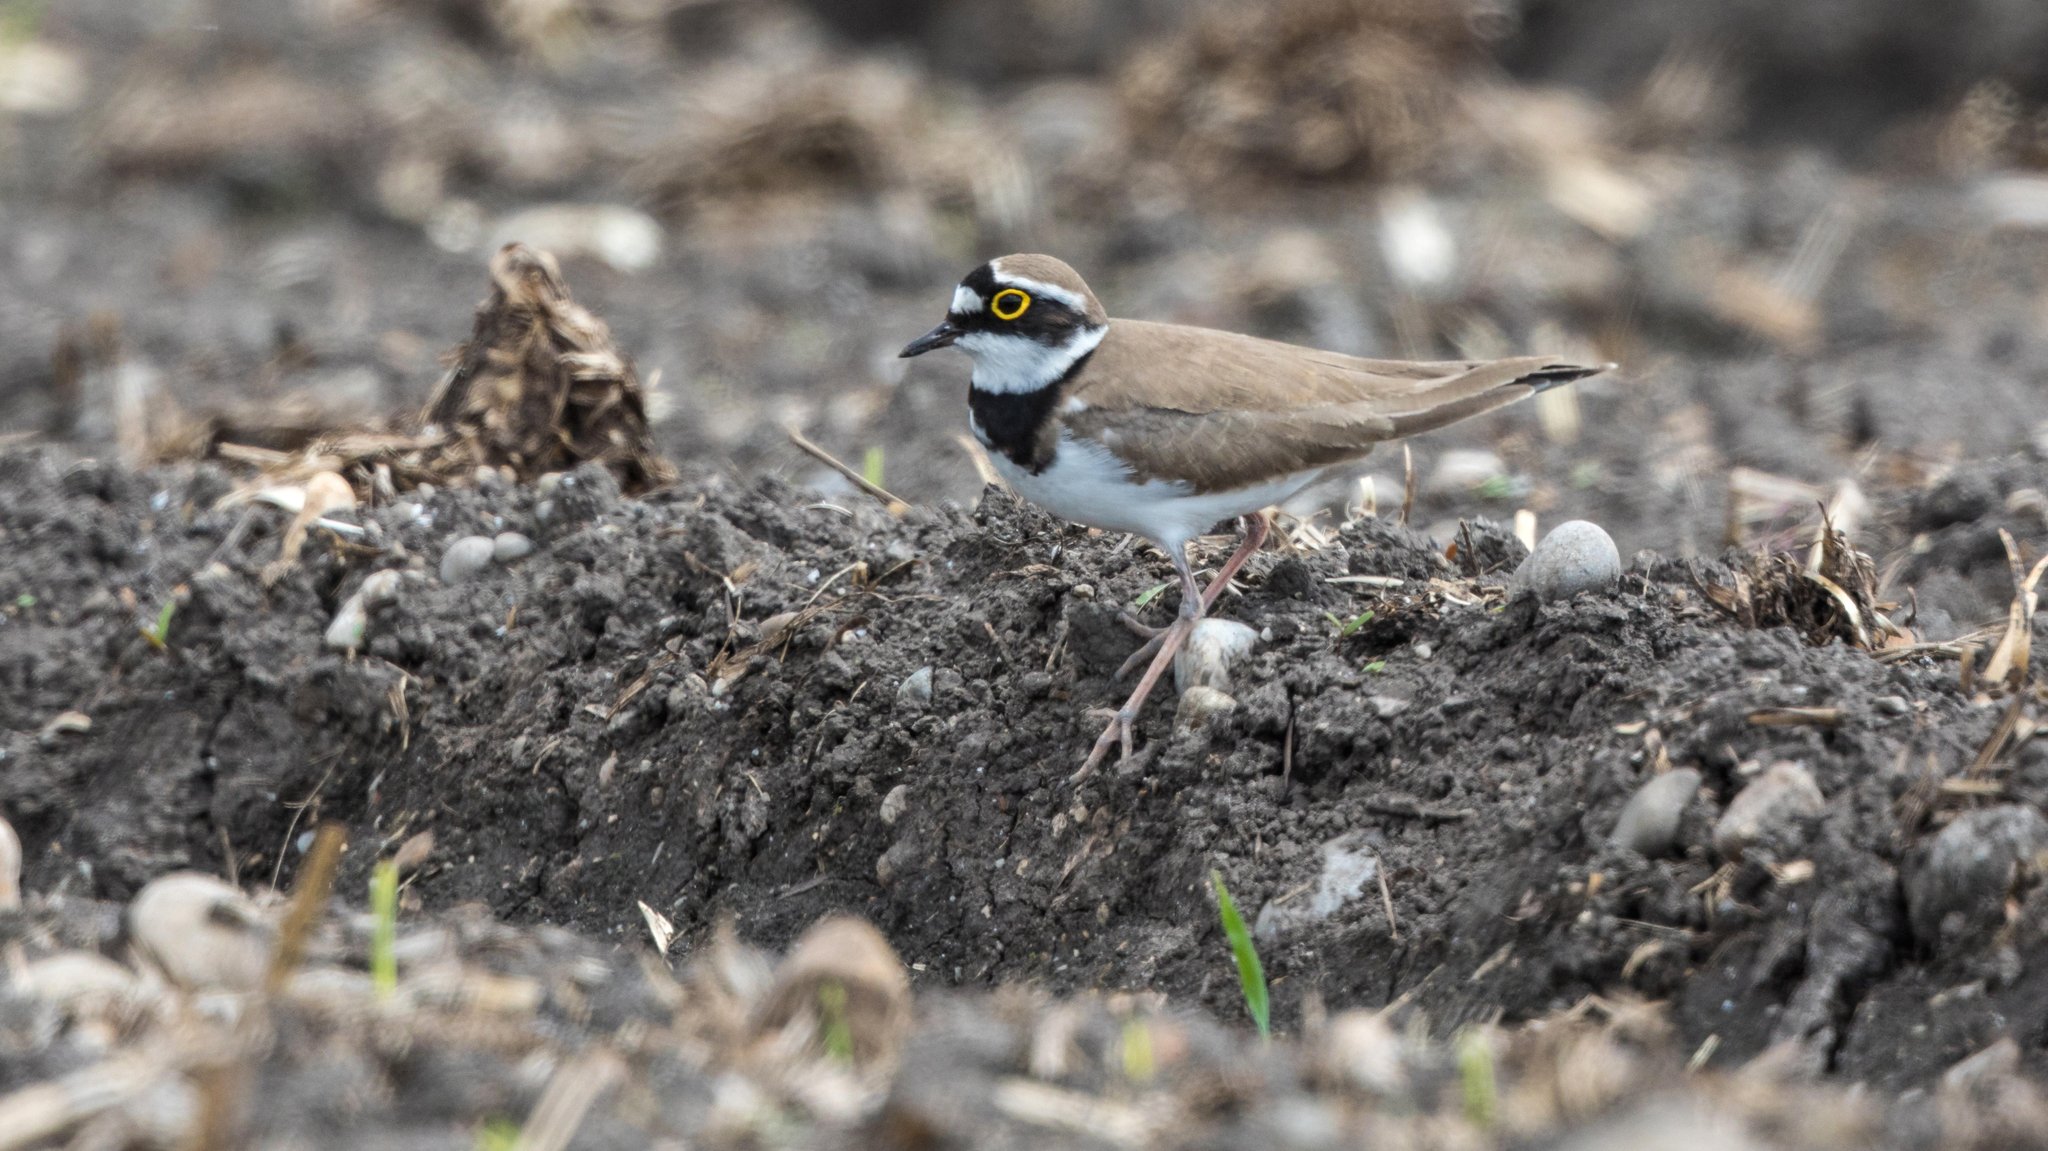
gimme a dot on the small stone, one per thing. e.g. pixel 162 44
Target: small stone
pixel 1648 824
pixel 1892 704
pixel 1362 1049
pixel 895 804
pixel 1773 808
pixel 544 511
pixel 78 981
pixel 1575 557
pixel 351 625
pixel 1996 1062
pixel 466 559
pixel 202 932
pixel 1201 703
pixel 380 589
pixel 1206 658
pixel 915 692
pixel 776 627
pixel 1961 881
pixel 510 547
pixel 1387 706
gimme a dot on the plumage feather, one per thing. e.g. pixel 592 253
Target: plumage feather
pixel 1216 410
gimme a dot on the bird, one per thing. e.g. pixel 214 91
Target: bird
pixel 1165 430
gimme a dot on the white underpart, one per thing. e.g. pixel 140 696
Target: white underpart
pixel 966 301
pixel 1041 288
pixel 1088 485
pixel 1009 364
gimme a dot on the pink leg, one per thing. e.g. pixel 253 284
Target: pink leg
pixel 1193 606
pixel 1255 528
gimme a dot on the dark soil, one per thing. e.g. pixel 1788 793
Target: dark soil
pixel 553 725
pixel 1810 253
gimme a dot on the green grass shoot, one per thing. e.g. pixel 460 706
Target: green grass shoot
pixel 20 22
pixel 1251 974
pixel 159 633
pixel 500 1134
pixel 1476 1077
pixel 871 466
pixel 1150 594
pixel 838 1032
pixel 25 601
pixel 1139 1063
pixel 1495 488
pixel 384 937
pixel 1346 628
pixel 1375 667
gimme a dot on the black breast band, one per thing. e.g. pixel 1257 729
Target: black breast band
pixel 1010 422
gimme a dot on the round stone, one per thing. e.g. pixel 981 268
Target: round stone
pixel 1577 556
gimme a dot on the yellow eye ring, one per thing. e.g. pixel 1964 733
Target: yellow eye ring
pixel 1009 304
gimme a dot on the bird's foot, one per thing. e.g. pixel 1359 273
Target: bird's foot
pixel 1119 732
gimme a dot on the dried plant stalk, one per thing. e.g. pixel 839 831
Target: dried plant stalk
pixel 540 387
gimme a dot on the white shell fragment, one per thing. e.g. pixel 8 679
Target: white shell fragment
pixel 203 933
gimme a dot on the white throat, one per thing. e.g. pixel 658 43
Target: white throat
pixel 1009 364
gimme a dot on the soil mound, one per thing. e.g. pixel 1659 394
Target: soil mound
pixel 737 699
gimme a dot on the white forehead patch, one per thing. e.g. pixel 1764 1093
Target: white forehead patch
pixel 966 301
pixel 1041 288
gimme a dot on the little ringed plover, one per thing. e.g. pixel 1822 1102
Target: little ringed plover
pixel 1164 430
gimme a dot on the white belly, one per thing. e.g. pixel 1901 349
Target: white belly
pixel 1088 485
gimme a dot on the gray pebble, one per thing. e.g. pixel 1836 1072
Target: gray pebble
pixel 895 804
pixel 511 546
pixel 1576 556
pixel 1200 703
pixel 1961 880
pixel 380 589
pixel 1648 824
pixel 1214 645
pixel 466 559
pixel 350 625
pixel 916 689
pixel 1772 809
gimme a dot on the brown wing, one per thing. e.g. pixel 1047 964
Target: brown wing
pixel 1240 410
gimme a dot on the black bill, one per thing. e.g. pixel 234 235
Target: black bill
pixel 939 337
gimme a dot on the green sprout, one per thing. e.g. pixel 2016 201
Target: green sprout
pixel 159 633
pixel 20 22
pixel 384 936
pixel 1346 628
pixel 1150 594
pixel 1476 1076
pixel 1375 667
pixel 497 1134
pixel 25 601
pixel 1495 488
pixel 1251 974
pixel 838 1032
pixel 1139 1063
pixel 871 467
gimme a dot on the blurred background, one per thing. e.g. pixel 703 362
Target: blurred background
pixel 1814 232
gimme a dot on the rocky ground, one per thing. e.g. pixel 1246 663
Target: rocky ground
pixel 738 700
pixel 1715 852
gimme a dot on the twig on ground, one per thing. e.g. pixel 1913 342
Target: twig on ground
pixel 896 506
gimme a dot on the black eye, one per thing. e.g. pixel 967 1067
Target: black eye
pixel 1009 304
